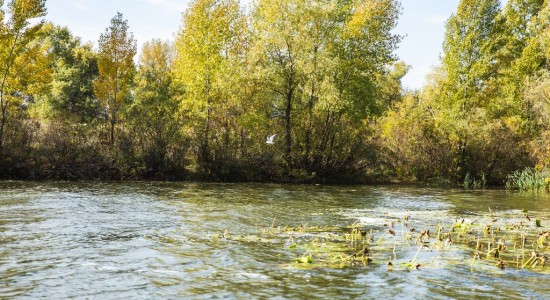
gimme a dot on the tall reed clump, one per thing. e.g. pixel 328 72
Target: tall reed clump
pixel 471 182
pixel 529 180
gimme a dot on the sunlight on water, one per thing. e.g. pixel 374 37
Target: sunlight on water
pixel 161 240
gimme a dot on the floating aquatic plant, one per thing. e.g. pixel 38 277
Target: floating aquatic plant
pixel 505 240
pixel 306 259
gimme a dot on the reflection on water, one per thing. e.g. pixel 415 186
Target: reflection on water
pixel 153 240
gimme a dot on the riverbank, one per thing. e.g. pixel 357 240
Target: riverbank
pixel 298 177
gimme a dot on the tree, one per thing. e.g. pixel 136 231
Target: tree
pixel 391 89
pixel 466 121
pixel 210 51
pixel 515 31
pixel 72 96
pixel 154 115
pixel 468 53
pixel 279 32
pixel 534 65
pixel 323 58
pixel 537 98
pixel 469 63
pixel 117 48
pixel 20 56
pixel 535 58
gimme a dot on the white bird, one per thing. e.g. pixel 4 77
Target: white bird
pixel 271 139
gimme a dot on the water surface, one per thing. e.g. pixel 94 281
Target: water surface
pixel 155 240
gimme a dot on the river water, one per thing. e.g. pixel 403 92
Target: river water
pixel 166 240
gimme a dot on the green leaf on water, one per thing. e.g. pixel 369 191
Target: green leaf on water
pixel 537 222
pixel 304 260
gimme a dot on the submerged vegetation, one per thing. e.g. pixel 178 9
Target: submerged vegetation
pixel 319 77
pixel 511 240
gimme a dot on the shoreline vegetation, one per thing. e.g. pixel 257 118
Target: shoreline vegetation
pixel 319 78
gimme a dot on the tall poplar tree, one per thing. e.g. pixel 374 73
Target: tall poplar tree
pixel 279 29
pixel 536 54
pixel 209 52
pixel 468 53
pixel 469 64
pixel 154 113
pixel 20 54
pixel 117 48
pixel 516 31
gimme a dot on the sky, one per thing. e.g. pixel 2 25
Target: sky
pixel 422 24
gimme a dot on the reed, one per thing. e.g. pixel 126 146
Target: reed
pixel 529 180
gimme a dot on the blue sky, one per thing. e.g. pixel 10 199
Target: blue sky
pixel 422 24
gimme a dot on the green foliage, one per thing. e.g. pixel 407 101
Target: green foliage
pixel 23 69
pixel 319 66
pixel 322 76
pixel 468 54
pixel 117 49
pixel 476 116
pixel 155 134
pixel 210 54
pixel 529 180
pixel 75 68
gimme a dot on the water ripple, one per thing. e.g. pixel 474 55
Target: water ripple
pixel 155 240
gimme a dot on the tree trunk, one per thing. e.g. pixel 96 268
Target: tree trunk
pixel 2 125
pixel 288 127
pixel 114 112
pixel 112 141
pixel 309 129
pixel 243 148
pixel 205 142
pixel 4 102
pixel 312 98
pixel 461 170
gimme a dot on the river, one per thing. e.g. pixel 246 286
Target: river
pixel 171 240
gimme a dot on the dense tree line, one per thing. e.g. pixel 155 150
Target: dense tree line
pixel 483 113
pixel 322 76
